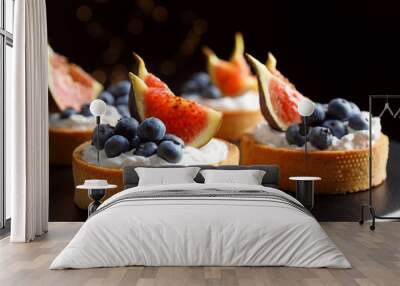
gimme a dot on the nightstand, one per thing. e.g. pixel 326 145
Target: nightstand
pixel 96 191
pixel 305 190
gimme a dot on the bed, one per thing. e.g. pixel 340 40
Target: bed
pixel 198 224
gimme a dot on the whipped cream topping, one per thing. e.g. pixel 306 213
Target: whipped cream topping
pixel 246 101
pixel 355 139
pixel 79 121
pixel 213 152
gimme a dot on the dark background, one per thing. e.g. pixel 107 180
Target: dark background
pixel 327 48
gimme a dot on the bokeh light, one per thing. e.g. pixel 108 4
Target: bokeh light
pixel 113 62
pixel 160 14
pixel 84 13
pixel 200 26
pixel 119 72
pixel 146 6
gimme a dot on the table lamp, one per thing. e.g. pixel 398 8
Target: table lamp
pixel 98 108
pixel 305 108
pixel 96 191
pixel 305 184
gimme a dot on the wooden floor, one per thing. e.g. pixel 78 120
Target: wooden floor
pixel 375 257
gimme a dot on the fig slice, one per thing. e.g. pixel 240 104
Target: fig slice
pixel 150 79
pixel 69 84
pixel 232 77
pixel 271 66
pixel 194 123
pixel 278 98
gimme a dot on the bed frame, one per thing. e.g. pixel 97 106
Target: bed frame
pixel 270 179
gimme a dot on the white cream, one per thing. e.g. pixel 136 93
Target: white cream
pixel 355 139
pixel 213 152
pixel 246 101
pixel 79 121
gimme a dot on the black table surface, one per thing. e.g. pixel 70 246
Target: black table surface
pixel 346 207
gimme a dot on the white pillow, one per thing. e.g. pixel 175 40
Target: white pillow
pixel 248 177
pixel 166 176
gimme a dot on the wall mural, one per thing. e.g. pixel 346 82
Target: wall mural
pixel 204 101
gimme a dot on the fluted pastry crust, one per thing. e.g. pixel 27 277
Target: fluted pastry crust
pixel 83 170
pixel 341 171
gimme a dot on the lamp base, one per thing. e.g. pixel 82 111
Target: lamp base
pixel 96 195
pixel 305 193
pixel 305 190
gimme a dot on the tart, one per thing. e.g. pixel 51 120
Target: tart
pixel 235 120
pixel 228 87
pixel 164 129
pixel 66 80
pixel 341 171
pixel 82 170
pixel 69 129
pixel 63 141
pixel 72 89
pixel 337 141
pixel 236 123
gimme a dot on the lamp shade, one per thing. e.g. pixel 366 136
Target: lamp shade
pixel 98 107
pixel 305 107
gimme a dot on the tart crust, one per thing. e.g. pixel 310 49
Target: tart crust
pixel 341 171
pixel 63 141
pixel 236 123
pixel 82 171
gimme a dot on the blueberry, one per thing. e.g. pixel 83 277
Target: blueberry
pixel 122 100
pixel 211 92
pixel 67 113
pixel 354 109
pixel 340 108
pixel 318 116
pixel 135 142
pixel 146 149
pixel 170 151
pixel 302 129
pixel 359 122
pixel 127 127
pixel 105 132
pixel 121 88
pixel 321 137
pixel 337 127
pixel 175 139
pixel 202 79
pixel 123 110
pixel 116 145
pixel 151 129
pixel 294 136
pixel 107 97
pixel 85 110
pixel 191 86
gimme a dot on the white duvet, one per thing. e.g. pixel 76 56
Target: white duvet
pixel 206 230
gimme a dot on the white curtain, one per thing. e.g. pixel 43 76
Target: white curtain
pixel 27 124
